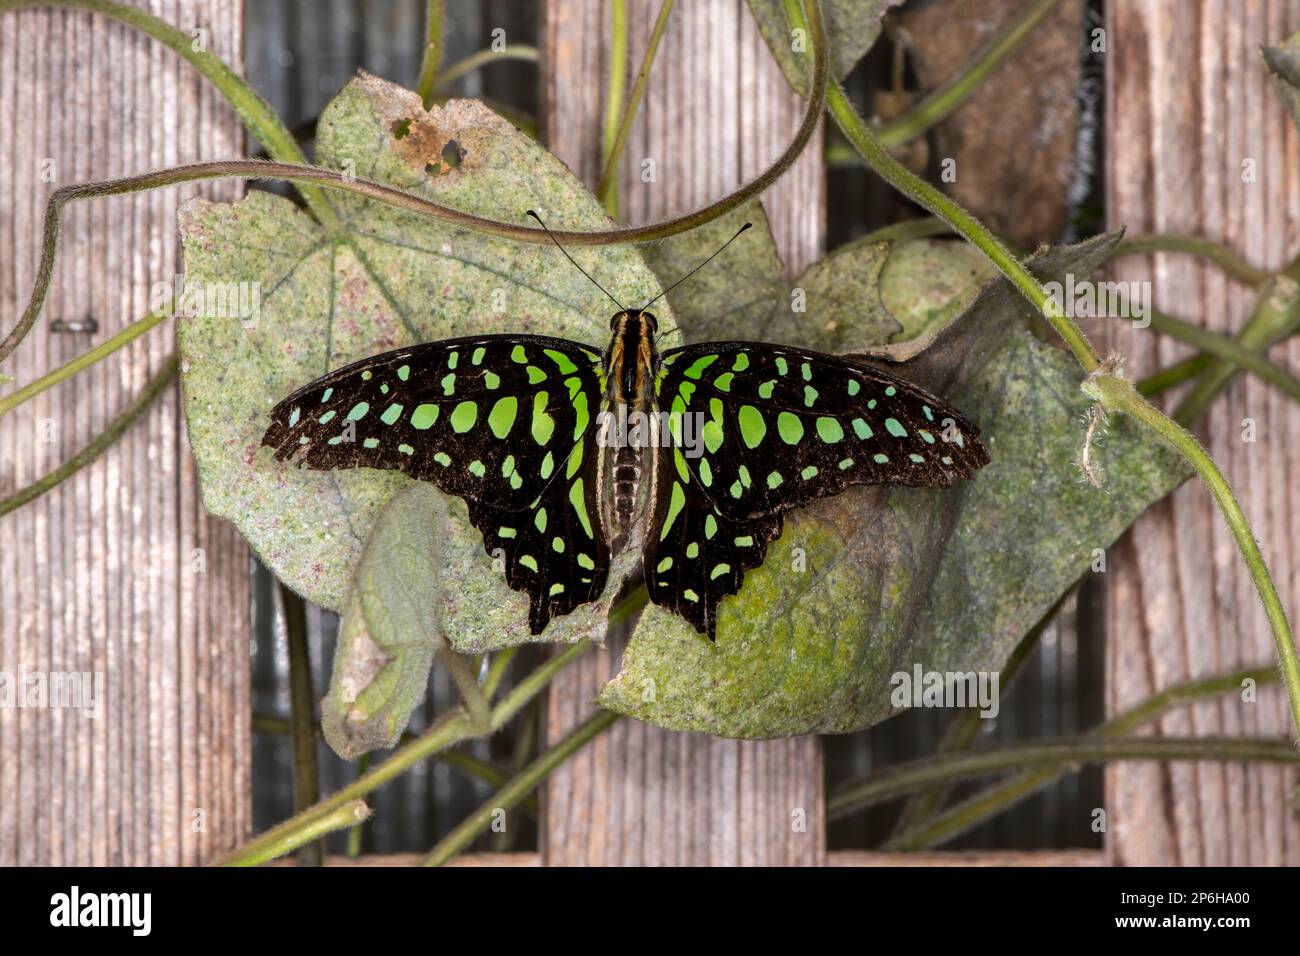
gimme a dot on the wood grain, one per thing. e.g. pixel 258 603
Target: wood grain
pixel 117 571
pixel 717 112
pixel 1188 101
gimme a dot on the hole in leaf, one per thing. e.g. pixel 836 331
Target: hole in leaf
pixel 401 128
pixel 452 154
pixel 433 169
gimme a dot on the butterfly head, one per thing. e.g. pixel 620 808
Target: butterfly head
pixel 634 319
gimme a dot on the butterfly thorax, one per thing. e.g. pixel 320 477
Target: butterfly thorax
pixel 630 427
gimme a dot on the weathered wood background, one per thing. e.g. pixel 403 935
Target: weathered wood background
pixel 117 571
pixel 1188 102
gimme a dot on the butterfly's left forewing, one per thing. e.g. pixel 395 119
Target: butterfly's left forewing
pixel 502 421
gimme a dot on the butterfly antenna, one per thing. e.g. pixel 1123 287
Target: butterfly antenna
pixel 575 264
pixel 697 268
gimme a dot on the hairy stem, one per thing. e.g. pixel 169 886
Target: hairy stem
pixel 519 786
pixel 262 121
pixel 100 443
pixel 1117 394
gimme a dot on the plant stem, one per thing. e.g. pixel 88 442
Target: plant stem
pixel 258 116
pixel 965 727
pixel 960 817
pixel 471 695
pixel 1232 351
pixel 1276 316
pixel 497 670
pixel 1223 257
pixel 452 729
pixel 608 178
pixel 1119 395
pixel 302 716
pixel 1174 375
pixel 949 768
pixel 613 102
pixel 970 228
pixel 1114 393
pixel 940 102
pixel 511 51
pixel 347 814
pixel 519 786
pixel 100 443
pixel 83 361
pixel 357 834
pixel 428 81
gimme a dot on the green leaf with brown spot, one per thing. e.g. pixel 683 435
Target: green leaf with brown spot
pixel 387 278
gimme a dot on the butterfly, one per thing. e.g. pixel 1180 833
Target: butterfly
pixel 560 449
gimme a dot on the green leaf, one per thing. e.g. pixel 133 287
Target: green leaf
pixel 386 279
pixel 877 297
pixel 872 582
pixel 852 27
pixel 391 630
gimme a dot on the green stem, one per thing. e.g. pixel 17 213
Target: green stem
pixel 1223 257
pixel 467 764
pixel 1068 751
pixel 1114 389
pixel 357 834
pixel 261 120
pixel 962 816
pixel 967 226
pixel 613 101
pixel 497 670
pixel 1119 395
pixel 428 81
pixel 166 375
pixel 455 727
pixel 941 101
pixel 1231 350
pixel 634 601
pixel 610 174
pixel 511 51
pixel 471 695
pixel 83 361
pixel 348 814
pixel 519 786
pixel 965 727
pixel 302 716
pixel 1276 316
pixel 1174 375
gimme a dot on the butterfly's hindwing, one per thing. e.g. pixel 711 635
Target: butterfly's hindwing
pixel 694 555
pixel 783 426
pixel 503 421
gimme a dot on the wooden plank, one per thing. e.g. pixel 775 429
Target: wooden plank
pixel 1188 101
pixel 118 571
pixel 717 111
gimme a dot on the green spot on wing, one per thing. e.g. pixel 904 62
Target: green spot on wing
pixel 463 416
pixel 424 416
pixel 752 425
pixel 502 417
pixel 789 427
